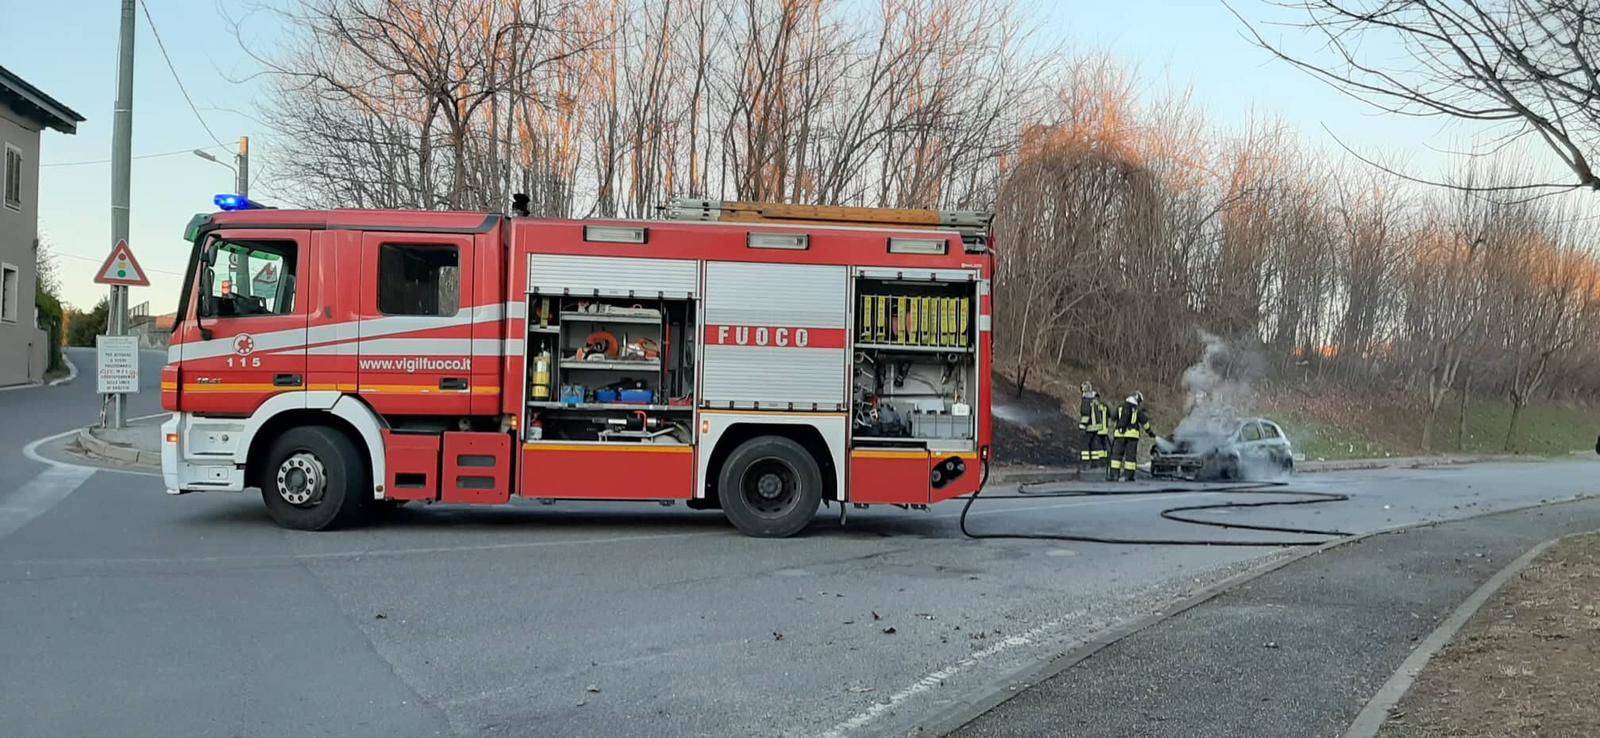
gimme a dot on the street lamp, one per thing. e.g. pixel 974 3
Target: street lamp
pixel 241 173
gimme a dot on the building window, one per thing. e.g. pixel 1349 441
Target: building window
pixel 8 293
pixel 13 177
pixel 418 280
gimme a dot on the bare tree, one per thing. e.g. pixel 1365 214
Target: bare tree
pixel 1444 293
pixel 1531 66
pixel 1124 219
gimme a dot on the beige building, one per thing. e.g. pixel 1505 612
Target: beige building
pixel 25 111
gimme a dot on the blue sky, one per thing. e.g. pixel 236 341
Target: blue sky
pixel 69 50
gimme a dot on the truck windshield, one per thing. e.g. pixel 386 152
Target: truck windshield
pixel 251 278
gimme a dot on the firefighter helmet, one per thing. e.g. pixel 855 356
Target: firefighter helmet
pixel 1136 398
pixel 1088 390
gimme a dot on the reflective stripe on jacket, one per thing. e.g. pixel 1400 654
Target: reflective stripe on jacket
pixel 1097 417
pixel 1131 421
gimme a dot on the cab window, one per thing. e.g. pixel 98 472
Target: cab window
pixel 419 280
pixel 250 278
pixel 1252 432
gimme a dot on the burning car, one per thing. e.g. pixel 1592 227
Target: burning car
pixel 1257 448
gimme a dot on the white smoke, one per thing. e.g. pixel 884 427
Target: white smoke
pixel 1219 394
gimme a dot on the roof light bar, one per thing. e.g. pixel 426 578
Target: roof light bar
pixel 236 202
pixel 613 234
pixel 918 246
pixel 791 241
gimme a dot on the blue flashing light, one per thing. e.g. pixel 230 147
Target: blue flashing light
pixel 235 202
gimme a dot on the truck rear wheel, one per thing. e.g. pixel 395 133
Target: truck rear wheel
pixel 313 479
pixel 770 487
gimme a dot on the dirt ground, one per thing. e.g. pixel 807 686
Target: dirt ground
pixel 1032 430
pixel 1527 664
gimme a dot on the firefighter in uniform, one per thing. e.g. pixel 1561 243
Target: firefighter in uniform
pixel 1102 445
pixel 1130 424
pixel 1091 428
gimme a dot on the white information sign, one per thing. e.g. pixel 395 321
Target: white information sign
pixel 117 363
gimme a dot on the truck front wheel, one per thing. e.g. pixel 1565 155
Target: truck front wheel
pixel 313 479
pixel 770 487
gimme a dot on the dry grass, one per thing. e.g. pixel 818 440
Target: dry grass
pixel 1525 665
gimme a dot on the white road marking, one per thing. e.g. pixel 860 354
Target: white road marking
pixel 38 495
pixel 938 678
pixel 72 372
pixel 31 451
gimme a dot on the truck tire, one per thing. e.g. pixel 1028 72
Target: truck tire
pixel 313 479
pixel 770 487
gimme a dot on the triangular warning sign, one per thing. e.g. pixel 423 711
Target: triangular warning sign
pixel 121 268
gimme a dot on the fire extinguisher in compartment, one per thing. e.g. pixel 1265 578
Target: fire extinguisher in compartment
pixel 540 387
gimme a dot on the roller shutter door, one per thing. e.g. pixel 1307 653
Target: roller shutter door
pixel 608 276
pixel 775 336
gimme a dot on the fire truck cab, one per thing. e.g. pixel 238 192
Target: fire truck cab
pixel 761 359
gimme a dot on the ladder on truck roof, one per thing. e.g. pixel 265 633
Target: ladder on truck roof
pixel 972 224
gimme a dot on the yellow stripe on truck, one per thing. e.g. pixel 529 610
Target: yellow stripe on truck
pixel 916 454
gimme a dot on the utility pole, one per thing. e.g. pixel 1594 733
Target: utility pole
pixel 121 178
pixel 242 186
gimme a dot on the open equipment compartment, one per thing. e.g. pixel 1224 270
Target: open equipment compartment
pixel 608 368
pixel 914 365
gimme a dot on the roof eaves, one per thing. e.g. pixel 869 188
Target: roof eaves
pixel 52 112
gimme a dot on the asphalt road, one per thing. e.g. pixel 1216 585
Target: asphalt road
pixel 127 612
pixel 1296 652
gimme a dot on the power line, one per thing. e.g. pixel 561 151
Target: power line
pixel 174 70
pixel 140 156
pixel 54 253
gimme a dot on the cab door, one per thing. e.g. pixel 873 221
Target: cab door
pixel 414 354
pixel 246 342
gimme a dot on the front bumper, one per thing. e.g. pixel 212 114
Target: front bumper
pixel 198 454
pixel 1181 466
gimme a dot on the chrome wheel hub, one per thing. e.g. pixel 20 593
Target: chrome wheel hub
pixel 302 479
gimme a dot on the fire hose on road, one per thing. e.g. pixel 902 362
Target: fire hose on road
pixel 1176 514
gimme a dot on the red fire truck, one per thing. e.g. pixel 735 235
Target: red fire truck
pixel 761 359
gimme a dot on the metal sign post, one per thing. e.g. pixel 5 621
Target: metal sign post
pixel 120 270
pixel 121 170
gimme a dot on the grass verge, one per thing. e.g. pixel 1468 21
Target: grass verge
pixel 1524 665
pixel 1341 425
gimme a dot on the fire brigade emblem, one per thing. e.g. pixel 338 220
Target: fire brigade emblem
pixel 243 344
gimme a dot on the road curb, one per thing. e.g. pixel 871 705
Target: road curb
pixel 1068 474
pixel 72 371
pixel 1411 462
pixel 998 691
pixel 1040 476
pixel 1372 717
pixel 98 446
